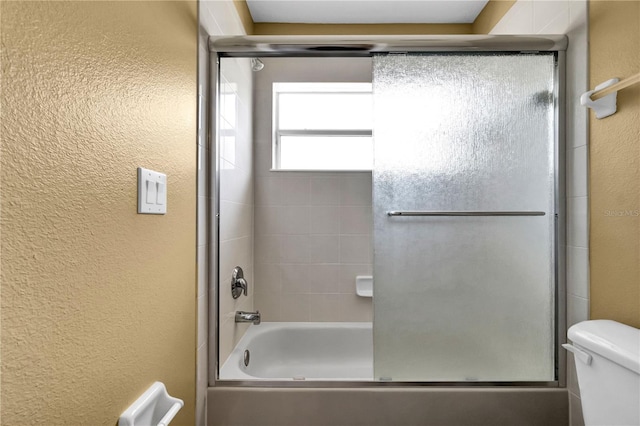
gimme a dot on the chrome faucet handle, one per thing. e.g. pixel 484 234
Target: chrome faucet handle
pixel 238 283
pixel 243 284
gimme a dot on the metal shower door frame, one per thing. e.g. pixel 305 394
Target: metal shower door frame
pixel 366 46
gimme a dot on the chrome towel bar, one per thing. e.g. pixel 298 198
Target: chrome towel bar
pixel 464 213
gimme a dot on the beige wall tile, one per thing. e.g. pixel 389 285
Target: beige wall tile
pixel 320 308
pixel 324 220
pixel 339 307
pixel 295 191
pixel 325 191
pixel 356 189
pixel 268 248
pixel 577 172
pixel 577 310
pixel 324 278
pixel 355 249
pixel 268 219
pixel 348 274
pixel 578 272
pixel 268 278
pixel 236 220
pixel 236 185
pixel 577 222
pixel 356 220
pixel 263 156
pixel 226 338
pixel 295 249
pixel 295 307
pixel 324 248
pixel 269 306
pixel 295 278
pixel 268 190
pixel 295 219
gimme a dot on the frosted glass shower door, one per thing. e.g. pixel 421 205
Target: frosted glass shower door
pixel 464 228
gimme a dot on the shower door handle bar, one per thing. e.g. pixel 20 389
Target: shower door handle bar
pixel 464 213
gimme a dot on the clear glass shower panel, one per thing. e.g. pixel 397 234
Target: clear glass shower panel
pixel 462 297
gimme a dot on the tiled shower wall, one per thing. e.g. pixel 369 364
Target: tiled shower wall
pixel 570 18
pixel 313 230
pixel 236 195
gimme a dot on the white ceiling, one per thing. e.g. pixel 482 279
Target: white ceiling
pixel 366 11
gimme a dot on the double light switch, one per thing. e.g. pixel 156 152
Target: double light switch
pixel 152 192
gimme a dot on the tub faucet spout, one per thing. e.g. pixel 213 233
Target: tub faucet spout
pixel 253 317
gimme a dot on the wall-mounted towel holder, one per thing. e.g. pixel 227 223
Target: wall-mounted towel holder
pixel 603 99
pixel 154 408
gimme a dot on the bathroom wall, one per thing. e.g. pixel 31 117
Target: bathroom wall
pixel 98 301
pixel 614 37
pixel 570 18
pixel 313 229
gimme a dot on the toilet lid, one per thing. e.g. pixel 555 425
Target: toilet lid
pixel 609 339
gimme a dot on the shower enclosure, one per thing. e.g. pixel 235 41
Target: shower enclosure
pixel 467 205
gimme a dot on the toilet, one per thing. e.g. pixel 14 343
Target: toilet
pixel 607 358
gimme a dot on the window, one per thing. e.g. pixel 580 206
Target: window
pixel 322 126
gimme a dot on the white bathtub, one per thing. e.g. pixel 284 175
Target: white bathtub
pixel 303 351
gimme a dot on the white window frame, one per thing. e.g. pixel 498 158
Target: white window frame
pixel 278 133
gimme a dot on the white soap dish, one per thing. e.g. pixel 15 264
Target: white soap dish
pixel 364 285
pixel 155 407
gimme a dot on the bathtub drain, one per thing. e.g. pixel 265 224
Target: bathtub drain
pixel 247 357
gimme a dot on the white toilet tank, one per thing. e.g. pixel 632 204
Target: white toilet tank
pixel 607 357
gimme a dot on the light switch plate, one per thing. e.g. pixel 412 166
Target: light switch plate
pixel 152 192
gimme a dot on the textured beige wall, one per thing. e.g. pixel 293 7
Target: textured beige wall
pixel 97 301
pixel 614 37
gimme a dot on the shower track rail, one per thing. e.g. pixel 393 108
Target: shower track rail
pixel 463 213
